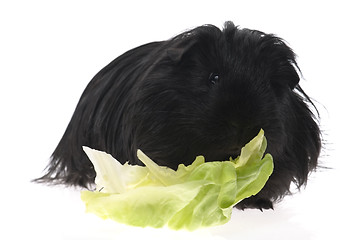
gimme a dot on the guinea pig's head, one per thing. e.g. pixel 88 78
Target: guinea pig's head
pixel 210 91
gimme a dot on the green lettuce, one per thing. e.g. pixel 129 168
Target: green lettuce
pixel 199 195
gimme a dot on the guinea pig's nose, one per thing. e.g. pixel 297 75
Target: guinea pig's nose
pixel 234 125
pixel 235 135
pixel 235 129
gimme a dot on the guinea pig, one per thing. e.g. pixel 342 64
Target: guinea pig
pixel 204 92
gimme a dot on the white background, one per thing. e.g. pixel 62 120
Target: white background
pixel 49 51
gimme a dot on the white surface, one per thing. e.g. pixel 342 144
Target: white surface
pixel 49 52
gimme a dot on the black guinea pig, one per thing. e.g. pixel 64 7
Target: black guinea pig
pixel 204 92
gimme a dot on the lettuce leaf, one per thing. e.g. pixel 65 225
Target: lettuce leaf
pixel 199 195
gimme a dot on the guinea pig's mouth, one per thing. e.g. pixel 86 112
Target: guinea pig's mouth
pixel 222 155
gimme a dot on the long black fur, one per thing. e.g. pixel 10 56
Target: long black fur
pixel 204 92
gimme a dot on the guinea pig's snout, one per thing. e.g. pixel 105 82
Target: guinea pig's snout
pixel 234 138
pixel 233 153
pixel 226 142
pixel 223 154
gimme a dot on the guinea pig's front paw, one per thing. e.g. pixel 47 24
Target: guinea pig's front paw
pixel 255 202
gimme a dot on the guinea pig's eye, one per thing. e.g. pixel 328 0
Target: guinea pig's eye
pixel 213 78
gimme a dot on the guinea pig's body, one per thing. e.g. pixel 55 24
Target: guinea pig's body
pixel 205 92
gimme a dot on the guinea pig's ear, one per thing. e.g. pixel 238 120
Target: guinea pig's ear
pixel 176 53
pixel 287 75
